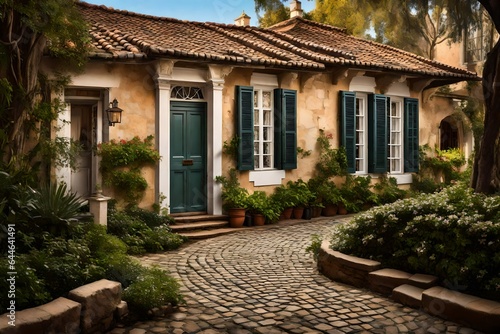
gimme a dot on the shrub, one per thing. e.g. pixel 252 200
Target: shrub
pixel 153 288
pixel 452 234
pixel 131 226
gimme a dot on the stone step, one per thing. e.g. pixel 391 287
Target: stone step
pixel 182 219
pixel 201 225
pixel 206 234
pixel 408 295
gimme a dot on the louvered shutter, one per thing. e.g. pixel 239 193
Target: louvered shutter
pixel 285 129
pixel 411 130
pixel 377 133
pixel 348 127
pixel 244 106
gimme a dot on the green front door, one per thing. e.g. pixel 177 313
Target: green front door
pixel 188 174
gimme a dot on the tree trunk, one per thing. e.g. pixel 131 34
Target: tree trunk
pixel 484 178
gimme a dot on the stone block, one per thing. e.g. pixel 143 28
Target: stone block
pixel 471 311
pixel 99 301
pixel 344 268
pixel 121 310
pixel 58 316
pixel 385 280
pixel 408 295
pixel 423 281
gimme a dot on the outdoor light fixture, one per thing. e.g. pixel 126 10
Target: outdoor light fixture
pixel 114 113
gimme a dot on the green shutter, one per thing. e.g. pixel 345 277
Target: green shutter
pixel 285 129
pixel 348 127
pixel 244 108
pixel 377 133
pixel 411 143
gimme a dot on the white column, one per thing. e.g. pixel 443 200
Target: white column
pixel 63 174
pixel 163 140
pixel 215 147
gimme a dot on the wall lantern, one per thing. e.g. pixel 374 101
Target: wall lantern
pixel 114 113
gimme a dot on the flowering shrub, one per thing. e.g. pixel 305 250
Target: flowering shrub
pixel 121 163
pixel 453 234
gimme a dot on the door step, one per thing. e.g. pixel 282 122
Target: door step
pixel 201 226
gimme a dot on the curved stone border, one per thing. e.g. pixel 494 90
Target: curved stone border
pixel 90 308
pixel 417 291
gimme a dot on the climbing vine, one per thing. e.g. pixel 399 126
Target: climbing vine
pixel 121 164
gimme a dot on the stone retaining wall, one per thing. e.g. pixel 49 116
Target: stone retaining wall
pixel 417 291
pixel 88 309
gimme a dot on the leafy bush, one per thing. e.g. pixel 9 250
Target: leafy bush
pixel 142 231
pixel 152 288
pixel 452 234
pixel 388 191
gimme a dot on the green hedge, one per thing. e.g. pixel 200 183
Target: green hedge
pixel 454 234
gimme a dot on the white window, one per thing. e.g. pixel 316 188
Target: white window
pixel 263 128
pixel 395 150
pixel 361 159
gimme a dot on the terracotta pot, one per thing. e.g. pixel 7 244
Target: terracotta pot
pixel 258 219
pixel 287 213
pixel 316 211
pixel 329 210
pixel 236 217
pixel 342 210
pixel 298 212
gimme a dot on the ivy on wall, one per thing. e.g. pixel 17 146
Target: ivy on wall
pixel 121 165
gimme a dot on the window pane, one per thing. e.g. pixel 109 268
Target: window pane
pixel 256 148
pixel 267 148
pixel 256 136
pixel 267 134
pixel 256 161
pixel 266 99
pixel 267 161
pixel 268 117
pixel 256 100
pixel 395 138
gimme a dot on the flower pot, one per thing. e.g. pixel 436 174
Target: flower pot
pixel 236 217
pixel 342 210
pixel 287 213
pixel 259 219
pixel 329 210
pixel 298 212
pixel 316 211
pixel 307 214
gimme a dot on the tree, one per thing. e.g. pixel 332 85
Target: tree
pixel 437 20
pixel 29 30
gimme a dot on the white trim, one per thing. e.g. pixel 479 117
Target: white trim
pixel 402 178
pixel 266 177
pixel 363 84
pixel 398 89
pixel 214 150
pixel 63 174
pixel 163 140
pixel 182 74
pixel 260 79
pixel 96 73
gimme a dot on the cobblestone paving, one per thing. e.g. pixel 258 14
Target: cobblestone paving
pixel 262 280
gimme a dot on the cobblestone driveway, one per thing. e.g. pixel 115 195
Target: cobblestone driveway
pixel 261 280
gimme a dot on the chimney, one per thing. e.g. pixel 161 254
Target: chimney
pixel 243 20
pixel 296 9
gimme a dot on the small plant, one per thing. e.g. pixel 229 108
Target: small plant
pixel 315 246
pixel 153 288
pixel 233 195
pixel 332 162
pixel 260 203
pixel 388 190
pixel 329 193
pixel 121 164
pixel 300 194
pixel 230 148
pixel 356 191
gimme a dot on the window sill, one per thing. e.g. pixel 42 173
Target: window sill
pixel 262 178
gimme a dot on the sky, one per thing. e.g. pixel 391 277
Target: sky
pixel 220 11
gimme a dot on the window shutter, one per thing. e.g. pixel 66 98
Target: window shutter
pixel 348 127
pixel 377 133
pixel 411 143
pixel 285 129
pixel 244 100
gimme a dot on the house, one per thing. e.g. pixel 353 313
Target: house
pixel 194 86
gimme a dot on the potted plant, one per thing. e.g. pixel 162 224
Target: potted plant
pixel 234 198
pixel 330 197
pixel 262 208
pixel 301 196
pixel 283 199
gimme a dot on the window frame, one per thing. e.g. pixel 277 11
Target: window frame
pixel 400 136
pixel 361 155
pixel 258 95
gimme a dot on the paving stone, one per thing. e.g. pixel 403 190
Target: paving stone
pixel 263 281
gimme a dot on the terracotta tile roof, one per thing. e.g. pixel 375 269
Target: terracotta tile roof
pixel 296 44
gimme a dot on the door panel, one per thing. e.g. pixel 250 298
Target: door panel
pixel 188 157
